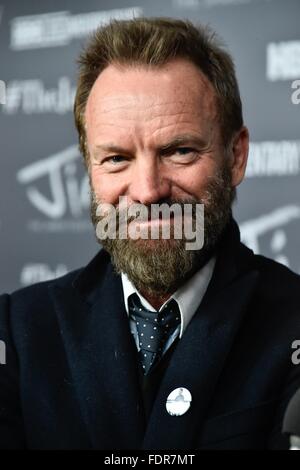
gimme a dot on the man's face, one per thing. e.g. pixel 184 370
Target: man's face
pixel 132 113
pixel 153 136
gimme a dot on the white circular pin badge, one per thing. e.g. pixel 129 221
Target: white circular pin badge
pixel 179 401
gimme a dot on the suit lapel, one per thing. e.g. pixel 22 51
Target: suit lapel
pixel 196 365
pixel 102 356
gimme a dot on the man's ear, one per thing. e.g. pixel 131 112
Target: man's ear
pixel 238 151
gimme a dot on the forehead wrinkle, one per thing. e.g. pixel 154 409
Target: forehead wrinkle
pixel 182 118
pixel 161 115
pixel 134 104
pixel 134 130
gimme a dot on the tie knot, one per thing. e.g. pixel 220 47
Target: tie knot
pixel 169 314
pixel 137 310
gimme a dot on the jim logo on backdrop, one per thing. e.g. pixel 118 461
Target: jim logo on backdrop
pixel 69 191
pixel 59 192
pixel 272 225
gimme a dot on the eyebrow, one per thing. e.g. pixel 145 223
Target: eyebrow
pixel 183 139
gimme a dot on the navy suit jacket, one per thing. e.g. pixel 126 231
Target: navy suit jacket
pixel 71 378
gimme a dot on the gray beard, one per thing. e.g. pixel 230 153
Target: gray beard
pixel 160 267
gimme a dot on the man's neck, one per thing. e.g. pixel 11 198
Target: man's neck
pixel 156 300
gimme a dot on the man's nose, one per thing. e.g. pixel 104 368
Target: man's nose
pixel 149 183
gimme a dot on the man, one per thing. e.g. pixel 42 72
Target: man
pixel 153 345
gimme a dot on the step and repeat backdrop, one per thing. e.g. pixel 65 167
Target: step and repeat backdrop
pixel 45 230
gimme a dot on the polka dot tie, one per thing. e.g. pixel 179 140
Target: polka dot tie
pixel 153 329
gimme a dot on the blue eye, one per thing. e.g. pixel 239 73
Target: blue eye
pixel 184 150
pixel 116 158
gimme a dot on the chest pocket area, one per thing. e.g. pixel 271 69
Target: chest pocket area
pixel 247 428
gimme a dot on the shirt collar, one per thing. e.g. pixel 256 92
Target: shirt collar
pixel 188 296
